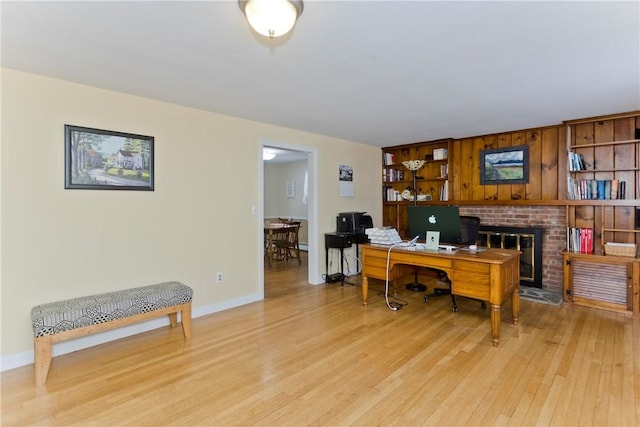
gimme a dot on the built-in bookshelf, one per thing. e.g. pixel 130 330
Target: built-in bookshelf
pixel 583 182
pixel 603 166
pixel 432 179
pixel 603 173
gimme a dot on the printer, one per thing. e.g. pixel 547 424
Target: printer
pixel 354 223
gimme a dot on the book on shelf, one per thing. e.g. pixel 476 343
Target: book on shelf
pixel 576 162
pixel 444 171
pixel 596 189
pixel 580 240
pixel 601 190
pixel 444 191
pixel 390 194
pixel 392 175
pixel 389 159
pixel 614 188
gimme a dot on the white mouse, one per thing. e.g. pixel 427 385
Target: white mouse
pixel 473 247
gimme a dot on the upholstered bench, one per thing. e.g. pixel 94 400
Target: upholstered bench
pixel 77 317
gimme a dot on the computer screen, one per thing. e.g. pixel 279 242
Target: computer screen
pixel 445 219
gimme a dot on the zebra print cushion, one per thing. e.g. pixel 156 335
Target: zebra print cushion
pixel 51 318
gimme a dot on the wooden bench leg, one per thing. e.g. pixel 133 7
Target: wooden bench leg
pixel 173 319
pixel 42 358
pixel 186 320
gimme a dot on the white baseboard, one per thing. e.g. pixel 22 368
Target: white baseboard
pixel 22 359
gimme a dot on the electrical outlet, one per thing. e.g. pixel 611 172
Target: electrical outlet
pixel 219 277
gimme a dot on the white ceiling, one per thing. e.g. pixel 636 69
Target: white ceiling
pixel 377 72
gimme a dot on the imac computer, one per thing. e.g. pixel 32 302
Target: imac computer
pixel 443 219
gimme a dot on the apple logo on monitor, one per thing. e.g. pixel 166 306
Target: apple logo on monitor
pixel 432 219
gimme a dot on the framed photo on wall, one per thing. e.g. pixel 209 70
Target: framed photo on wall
pixel 508 165
pixel 97 159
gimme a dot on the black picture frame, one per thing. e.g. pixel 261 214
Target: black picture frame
pixel 507 165
pixel 98 159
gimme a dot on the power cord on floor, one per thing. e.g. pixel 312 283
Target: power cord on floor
pixel 395 306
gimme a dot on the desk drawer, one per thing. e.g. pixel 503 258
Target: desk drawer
pixel 471 284
pixel 471 266
pixel 375 267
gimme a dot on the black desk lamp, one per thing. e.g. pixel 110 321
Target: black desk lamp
pixel 414 166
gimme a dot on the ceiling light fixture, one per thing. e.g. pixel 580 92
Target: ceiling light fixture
pixel 268 155
pixel 271 18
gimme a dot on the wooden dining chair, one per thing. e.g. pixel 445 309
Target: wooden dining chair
pixel 286 243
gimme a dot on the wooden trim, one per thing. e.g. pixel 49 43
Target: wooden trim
pixel 603 144
pixel 413 144
pixel 619 308
pixel 605 202
pixel 601 118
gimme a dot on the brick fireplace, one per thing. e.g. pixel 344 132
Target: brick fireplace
pixel 528 240
pixel 552 221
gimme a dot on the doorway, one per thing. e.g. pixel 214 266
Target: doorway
pixel 295 190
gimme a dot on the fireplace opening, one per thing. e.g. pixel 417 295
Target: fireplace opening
pixel 528 240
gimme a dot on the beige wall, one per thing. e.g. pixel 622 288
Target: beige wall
pixel 276 177
pixel 58 244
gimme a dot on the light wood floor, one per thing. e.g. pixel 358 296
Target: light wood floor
pixel 312 355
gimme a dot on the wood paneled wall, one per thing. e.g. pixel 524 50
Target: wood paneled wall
pixel 547 153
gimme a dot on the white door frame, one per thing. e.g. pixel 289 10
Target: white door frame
pixel 312 208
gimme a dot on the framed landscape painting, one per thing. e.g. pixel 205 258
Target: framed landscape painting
pixel 509 165
pixel 97 159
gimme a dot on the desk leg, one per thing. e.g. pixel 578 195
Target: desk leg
pixel 365 290
pixel 515 306
pixel 357 258
pixel 326 261
pixel 495 324
pixel 341 265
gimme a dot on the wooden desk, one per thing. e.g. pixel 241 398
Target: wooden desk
pixel 490 275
